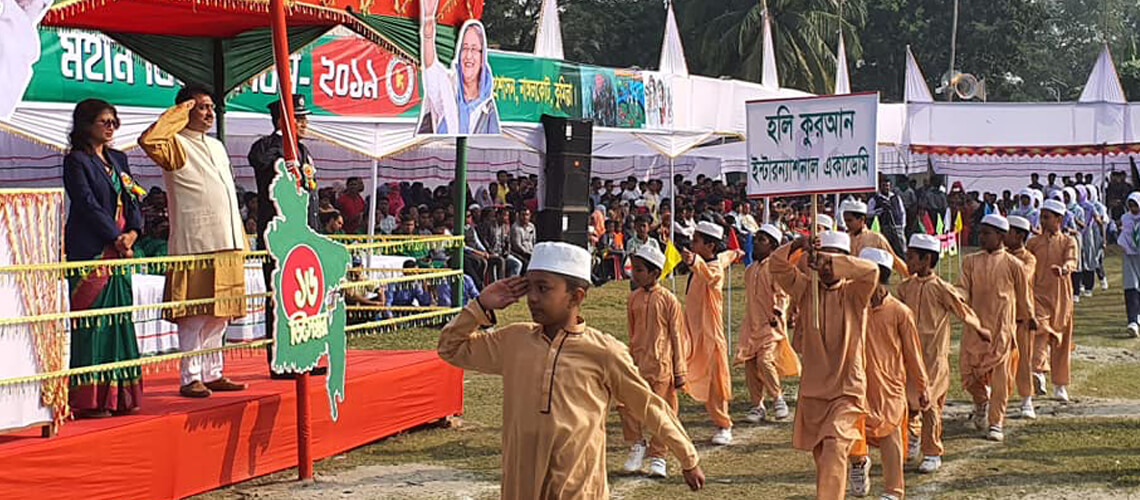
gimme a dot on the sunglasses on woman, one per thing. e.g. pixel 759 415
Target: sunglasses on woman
pixel 112 123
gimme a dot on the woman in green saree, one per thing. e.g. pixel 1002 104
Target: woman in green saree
pixel 103 222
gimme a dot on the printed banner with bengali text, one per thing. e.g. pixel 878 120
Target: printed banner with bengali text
pixel 812 145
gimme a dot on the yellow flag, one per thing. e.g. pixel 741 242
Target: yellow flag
pixel 672 258
pixel 958 222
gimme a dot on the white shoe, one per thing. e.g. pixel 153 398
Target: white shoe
pixel 1133 330
pixel 1104 283
pixel 978 417
pixel 636 457
pixel 781 408
pixel 1027 411
pixel 1038 384
pixel 1086 293
pixel 859 478
pixel 930 464
pixel 756 414
pixel 657 467
pixel 913 448
pixel 1076 299
pixel 722 437
pixel 1061 394
pixel 995 434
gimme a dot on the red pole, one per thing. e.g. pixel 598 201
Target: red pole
pixel 285 85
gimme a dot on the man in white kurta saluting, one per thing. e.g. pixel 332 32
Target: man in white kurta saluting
pixel 204 219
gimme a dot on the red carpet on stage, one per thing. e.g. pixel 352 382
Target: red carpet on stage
pixel 176 447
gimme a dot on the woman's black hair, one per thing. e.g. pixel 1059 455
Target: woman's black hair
pixel 83 118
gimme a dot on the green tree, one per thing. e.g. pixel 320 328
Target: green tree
pixel 724 38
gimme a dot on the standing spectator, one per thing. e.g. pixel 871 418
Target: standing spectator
pixel 204 220
pixel 1115 195
pixel 1052 187
pixel 503 179
pixel 352 206
pixel 887 206
pixel 498 231
pixel 640 236
pixel 332 223
pixel 523 237
pixel 1035 181
pixel 385 223
pixel 104 220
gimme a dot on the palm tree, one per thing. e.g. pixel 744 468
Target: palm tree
pixel 726 35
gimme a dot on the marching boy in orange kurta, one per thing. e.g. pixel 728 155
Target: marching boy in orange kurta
pixel 1021 363
pixel 1056 254
pixel 933 300
pixel 656 328
pixel 833 388
pixel 709 378
pixel 893 358
pixel 996 288
pixel 560 378
pixel 763 333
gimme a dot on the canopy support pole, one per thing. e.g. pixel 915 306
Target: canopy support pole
pixel 219 84
pixel 372 209
pixel 460 194
pixel 673 215
pixel 289 151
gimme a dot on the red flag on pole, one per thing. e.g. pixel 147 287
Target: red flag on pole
pixel 927 224
pixel 732 242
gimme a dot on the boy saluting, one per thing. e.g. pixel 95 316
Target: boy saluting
pixel 656 327
pixel 560 379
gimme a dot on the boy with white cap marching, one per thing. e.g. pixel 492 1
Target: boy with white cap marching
pixel 893 359
pixel 997 289
pixel 763 333
pixel 709 377
pixel 832 399
pixel 656 331
pixel 1021 363
pixel 855 218
pixel 1056 254
pixel 560 378
pixel 933 300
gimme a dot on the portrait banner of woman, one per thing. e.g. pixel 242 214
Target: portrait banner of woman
pixel 459 100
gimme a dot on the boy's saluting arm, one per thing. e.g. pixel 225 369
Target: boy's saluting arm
pixel 462 345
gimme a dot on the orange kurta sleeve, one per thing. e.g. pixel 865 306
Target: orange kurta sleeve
pixel 675 320
pixel 158 141
pixel 643 405
pixel 1023 291
pixel 461 345
pixel 912 355
pixel 952 300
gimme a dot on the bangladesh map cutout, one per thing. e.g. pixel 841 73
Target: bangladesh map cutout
pixel 308 307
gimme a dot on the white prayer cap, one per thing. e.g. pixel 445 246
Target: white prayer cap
pixel 1026 192
pixel 1055 206
pixel 835 240
pixel 561 258
pixel 709 229
pixel 473 206
pixel 1019 222
pixel 878 256
pixel 996 221
pixel 925 242
pixel 825 220
pixel 775 233
pixel 856 207
pixel 652 255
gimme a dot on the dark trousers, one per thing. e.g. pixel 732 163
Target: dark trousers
pixel 1132 304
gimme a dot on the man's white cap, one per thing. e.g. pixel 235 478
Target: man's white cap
pixel 709 229
pixel 825 221
pixel 856 207
pixel 561 258
pixel 1019 222
pixel 772 231
pixel 1054 206
pixel 878 256
pixel 652 255
pixel 997 221
pixel 925 242
pixel 835 240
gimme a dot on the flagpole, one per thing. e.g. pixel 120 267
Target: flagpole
pixel 673 218
pixel 815 274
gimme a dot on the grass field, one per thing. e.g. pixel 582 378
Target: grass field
pixel 1089 449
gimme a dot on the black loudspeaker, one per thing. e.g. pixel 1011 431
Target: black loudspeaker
pixel 564 182
pixel 569 226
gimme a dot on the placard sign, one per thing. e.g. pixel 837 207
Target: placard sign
pixel 812 145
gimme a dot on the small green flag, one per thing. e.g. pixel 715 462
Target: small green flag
pixel 875 225
pixel 938 226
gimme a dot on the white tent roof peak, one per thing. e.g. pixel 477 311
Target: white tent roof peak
pixel 842 81
pixel 548 40
pixel 769 77
pixel 672 51
pixel 1103 84
pixel 915 84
